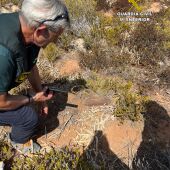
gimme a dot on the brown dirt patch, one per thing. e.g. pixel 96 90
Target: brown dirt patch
pixel 70 67
pixel 124 139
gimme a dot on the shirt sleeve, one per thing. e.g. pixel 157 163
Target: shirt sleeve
pixel 7 68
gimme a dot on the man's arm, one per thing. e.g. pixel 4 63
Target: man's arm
pixel 10 102
pixel 34 79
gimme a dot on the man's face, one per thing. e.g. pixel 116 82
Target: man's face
pixel 43 36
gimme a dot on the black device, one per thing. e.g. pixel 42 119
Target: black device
pixel 55 90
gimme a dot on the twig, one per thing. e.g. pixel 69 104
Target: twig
pixel 63 128
pixel 46 134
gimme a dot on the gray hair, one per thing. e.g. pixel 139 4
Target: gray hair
pixel 36 12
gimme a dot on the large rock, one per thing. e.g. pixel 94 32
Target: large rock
pixel 97 101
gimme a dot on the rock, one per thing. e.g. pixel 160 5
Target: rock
pixel 97 101
pixel 78 44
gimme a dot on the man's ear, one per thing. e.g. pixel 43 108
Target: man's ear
pixel 42 30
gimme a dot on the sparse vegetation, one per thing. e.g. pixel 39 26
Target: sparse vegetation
pixel 114 51
pixel 111 43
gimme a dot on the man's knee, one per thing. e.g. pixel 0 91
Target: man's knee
pixel 30 117
pixel 26 125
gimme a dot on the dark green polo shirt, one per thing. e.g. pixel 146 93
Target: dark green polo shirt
pixel 16 59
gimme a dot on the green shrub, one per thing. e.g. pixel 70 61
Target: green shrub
pixel 52 52
pixel 100 84
pixel 65 40
pixel 129 103
pixel 64 158
pixel 165 29
pixel 6 153
pixel 61 159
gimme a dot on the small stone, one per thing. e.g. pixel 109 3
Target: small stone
pixel 78 44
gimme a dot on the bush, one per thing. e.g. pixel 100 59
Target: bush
pixel 52 52
pixel 6 153
pixel 64 158
pixel 56 159
pixel 129 103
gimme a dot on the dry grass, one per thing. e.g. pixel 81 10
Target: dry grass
pixel 4 2
pixel 96 117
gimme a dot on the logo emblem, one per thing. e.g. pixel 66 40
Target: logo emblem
pixel 22 77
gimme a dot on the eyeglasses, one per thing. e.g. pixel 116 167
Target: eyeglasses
pixel 59 17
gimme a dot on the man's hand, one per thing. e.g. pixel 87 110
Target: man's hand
pixel 43 95
pixel 43 108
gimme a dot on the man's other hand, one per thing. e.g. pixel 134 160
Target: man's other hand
pixel 43 109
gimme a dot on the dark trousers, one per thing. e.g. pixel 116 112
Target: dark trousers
pixel 24 122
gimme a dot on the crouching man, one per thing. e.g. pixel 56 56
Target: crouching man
pixel 21 35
